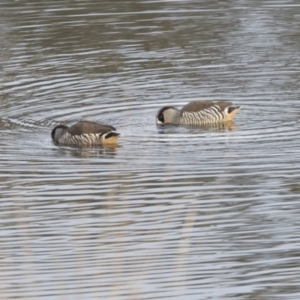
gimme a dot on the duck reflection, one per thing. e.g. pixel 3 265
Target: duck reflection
pixel 91 152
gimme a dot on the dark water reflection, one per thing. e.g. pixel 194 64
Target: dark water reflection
pixel 176 212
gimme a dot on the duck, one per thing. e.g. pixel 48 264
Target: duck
pixel 197 113
pixel 85 133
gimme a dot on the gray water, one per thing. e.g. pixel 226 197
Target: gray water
pixel 171 213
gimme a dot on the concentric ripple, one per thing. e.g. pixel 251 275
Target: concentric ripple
pixel 171 212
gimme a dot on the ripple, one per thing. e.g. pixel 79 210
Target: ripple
pixel 215 207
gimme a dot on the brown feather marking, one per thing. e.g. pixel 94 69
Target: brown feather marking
pixel 223 104
pixel 195 106
pixel 83 127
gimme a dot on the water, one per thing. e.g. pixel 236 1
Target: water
pixel 171 213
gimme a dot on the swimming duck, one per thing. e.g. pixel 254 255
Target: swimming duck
pixel 197 113
pixel 85 133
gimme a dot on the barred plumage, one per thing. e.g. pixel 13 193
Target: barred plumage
pixel 85 133
pixel 197 113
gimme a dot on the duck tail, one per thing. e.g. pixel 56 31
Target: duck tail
pixel 231 112
pixel 110 138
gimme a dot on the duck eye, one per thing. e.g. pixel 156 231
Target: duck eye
pixel 161 117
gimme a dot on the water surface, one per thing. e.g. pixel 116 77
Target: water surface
pixel 171 213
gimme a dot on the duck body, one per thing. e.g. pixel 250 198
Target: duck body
pixel 197 113
pixel 85 133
